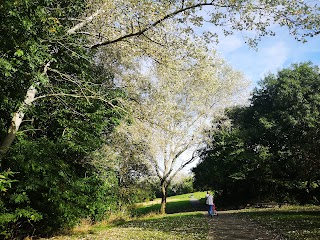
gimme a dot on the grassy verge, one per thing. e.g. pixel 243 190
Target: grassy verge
pixel 184 222
pixel 171 227
pixel 292 222
pixel 181 222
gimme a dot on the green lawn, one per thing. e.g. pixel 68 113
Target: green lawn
pixel 175 204
pixel 162 227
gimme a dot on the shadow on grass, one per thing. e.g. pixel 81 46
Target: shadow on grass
pixel 173 226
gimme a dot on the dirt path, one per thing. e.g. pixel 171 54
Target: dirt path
pixel 229 226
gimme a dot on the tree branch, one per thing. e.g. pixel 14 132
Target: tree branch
pixel 191 160
pixel 75 96
pixel 141 31
pixel 86 21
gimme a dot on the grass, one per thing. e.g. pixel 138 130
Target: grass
pixel 175 204
pixel 162 227
pixel 292 222
pixel 184 222
pixel 181 222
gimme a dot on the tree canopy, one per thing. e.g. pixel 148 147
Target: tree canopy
pixel 270 150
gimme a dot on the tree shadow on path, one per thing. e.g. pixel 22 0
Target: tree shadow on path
pixel 232 227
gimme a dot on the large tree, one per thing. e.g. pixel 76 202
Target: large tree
pixel 286 112
pixel 176 106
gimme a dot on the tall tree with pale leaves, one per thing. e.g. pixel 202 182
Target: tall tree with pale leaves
pixel 176 106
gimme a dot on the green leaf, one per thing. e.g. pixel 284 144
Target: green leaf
pixel 19 53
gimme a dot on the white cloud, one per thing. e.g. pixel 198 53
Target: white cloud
pixel 273 53
pixel 230 44
pixel 272 58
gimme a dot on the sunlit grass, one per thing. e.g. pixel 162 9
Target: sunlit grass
pixel 160 227
pixel 171 207
pixel 175 204
pixel 187 196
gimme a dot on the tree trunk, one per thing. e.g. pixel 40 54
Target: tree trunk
pixel 16 122
pixel 164 197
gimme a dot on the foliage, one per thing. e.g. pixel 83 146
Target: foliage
pixel 53 165
pixel 140 23
pixel 126 158
pixel 286 112
pixel 270 151
pixel 28 42
pixel 5 181
pixel 181 187
pixel 76 107
pixel 223 167
pixel 11 217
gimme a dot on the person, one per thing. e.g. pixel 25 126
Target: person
pixel 209 202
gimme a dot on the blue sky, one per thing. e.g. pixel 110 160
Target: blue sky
pixel 273 53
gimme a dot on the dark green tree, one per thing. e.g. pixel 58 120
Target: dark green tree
pixel 48 178
pixel 286 110
pixel 270 151
pixel 32 40
pixel 232 169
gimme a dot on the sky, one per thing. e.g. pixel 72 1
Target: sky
pixel 273 53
